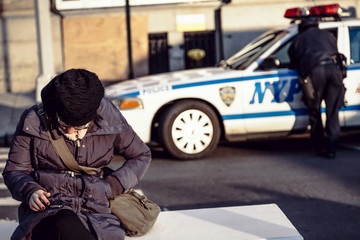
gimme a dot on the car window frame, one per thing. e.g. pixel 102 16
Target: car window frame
pixel 245 62
pixel 286 65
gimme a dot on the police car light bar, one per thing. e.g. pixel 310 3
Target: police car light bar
pixel 296 13
pixel 326 10
pixel 331 10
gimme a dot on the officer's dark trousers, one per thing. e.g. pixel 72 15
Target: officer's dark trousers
pixel 64 225
pixel 328 84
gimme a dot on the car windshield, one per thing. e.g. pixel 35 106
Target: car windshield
pixel 253 50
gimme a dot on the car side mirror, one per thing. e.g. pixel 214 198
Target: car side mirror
pixel 269 63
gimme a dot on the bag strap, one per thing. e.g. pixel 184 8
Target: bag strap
pixel 63 151
pixel 43 116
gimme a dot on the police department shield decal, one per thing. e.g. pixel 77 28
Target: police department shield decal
pixel 227 95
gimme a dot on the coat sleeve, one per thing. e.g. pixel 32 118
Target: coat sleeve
pixel 17 172
pixel 136 153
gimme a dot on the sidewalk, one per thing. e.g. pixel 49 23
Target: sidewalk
pixel 12 106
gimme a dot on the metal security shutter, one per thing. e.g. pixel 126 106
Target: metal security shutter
pixel 202 41
pixel 158 53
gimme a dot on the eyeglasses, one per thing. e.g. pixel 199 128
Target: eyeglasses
pixel 79 128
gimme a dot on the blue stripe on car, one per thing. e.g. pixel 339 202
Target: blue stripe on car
pixel 228 80
pixel 292 112
pixel 295 112
pixel 237 79
pixel 350 68
pixel 219 81
pixel 131 94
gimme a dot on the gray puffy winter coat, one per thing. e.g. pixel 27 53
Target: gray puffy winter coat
pixel 33 164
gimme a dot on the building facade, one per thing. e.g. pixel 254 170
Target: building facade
pixel 165 36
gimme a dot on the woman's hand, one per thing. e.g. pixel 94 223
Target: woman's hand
pixel 38 199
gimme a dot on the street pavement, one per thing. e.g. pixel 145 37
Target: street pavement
pixel 11 108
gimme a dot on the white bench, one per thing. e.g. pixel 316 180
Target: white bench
pixel 227 223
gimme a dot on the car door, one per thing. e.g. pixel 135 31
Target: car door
pixel 351 110
pixel 275 98
pixel 265 94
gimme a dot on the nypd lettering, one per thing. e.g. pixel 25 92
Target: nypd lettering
pixel 283 90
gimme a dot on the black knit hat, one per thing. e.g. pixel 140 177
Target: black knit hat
pixel 74 95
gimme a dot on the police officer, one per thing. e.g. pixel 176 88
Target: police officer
pixel 313 53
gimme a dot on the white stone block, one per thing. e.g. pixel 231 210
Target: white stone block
pixel 240 223
pixel 257 222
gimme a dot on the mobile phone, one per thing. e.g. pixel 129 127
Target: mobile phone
pixel 55 206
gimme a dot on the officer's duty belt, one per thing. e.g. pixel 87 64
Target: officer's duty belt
pixel 328 61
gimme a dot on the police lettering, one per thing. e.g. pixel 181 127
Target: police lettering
pixel 155 89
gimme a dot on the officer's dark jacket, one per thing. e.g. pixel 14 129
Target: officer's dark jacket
pixel 311 47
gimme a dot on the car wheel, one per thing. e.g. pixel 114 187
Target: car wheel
pixel 189 130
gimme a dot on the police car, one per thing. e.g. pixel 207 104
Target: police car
pixel 251 95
